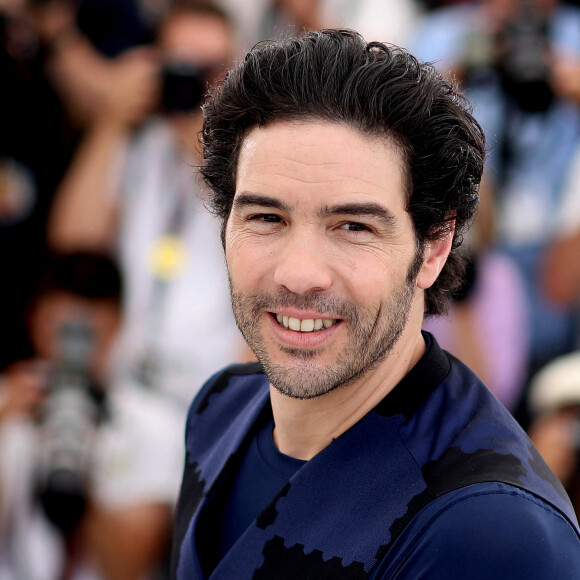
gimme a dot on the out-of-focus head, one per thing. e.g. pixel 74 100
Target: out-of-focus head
pixel 197 32
pixel 504 10
pixel 196 42
pixel 557 385
pixel 76 291
pixel 383 92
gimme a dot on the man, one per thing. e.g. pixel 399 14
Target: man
pixel 86 484
pixel 555 405
pixel 177 323
pixel 516 60
pixel 345 174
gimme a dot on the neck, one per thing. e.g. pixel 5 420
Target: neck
pixel 305 427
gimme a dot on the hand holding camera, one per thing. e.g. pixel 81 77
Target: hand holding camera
pixel 519 53
pixel 22 389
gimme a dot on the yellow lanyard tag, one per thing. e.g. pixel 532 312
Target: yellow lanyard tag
pixel 167 257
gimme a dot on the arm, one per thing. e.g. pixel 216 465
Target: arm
pixel 83 214
pixel 497 532
pixel 565 76
pixel 554 435
pixel 22 389
pixel 561 274
pixel 84 209
pixel 128 543
pixel 73 65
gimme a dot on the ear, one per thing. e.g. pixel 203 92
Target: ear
pixel 434 259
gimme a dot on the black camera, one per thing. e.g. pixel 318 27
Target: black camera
pixel 518 54
pixel 183 86
pixel 68 425
pixel 524 47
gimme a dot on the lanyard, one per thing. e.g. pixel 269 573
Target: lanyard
pixel 166 259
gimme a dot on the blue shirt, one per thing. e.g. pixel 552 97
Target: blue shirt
pixel 438 481
pixel 263 473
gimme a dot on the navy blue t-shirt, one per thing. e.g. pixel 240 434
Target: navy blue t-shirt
pixel 263 473
pixel 437 482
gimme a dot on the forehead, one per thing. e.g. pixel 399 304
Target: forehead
pixel 317 159
pixel 62 304
pixel 199 38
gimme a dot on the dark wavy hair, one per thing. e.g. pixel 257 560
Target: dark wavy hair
pixel 378 89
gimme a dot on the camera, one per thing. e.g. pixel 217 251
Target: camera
pixel 68 425
pixel 523 59
pixel 518 55
pixel 183 86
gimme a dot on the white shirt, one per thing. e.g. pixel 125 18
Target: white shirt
pixel 183 325
pixel 137 459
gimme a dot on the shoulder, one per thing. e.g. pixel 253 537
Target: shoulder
pixel 251 375
pixel 565 28
pixel 150 143
pixel 489 530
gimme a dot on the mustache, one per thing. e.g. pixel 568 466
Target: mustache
pixel 331 306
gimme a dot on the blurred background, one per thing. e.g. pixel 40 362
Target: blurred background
pixel 114 301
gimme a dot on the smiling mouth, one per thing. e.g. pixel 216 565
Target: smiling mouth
pixel 306 324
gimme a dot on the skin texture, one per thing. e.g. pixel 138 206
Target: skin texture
pixel 323 233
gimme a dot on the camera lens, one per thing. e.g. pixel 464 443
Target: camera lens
pixel 183 87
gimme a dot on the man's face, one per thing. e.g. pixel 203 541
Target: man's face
pixel 204 42
pixel 321 253
pixel 53 311
pixel 201 40
pixel 505 10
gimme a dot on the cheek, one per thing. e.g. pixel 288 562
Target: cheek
pixel 372 294
pixel 374 275
pixel 246 265
pixel 44 332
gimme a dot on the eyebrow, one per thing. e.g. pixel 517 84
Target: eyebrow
pixel 370 209
pixel 247 198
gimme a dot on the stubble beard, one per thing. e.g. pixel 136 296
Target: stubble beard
pixel 372 335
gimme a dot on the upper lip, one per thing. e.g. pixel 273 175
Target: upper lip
pixel 304 314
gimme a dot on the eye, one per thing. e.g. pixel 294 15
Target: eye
pixel 355 227
pixel 264 223
pixel 265 217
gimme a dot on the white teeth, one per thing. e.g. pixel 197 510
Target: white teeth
pixel 306 325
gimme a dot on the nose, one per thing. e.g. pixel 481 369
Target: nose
pixel 302 265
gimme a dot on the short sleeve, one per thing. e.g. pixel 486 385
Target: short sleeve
pixel 139 452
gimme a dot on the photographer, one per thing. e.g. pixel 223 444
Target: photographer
pixel 138 194
pixel 509 55
pixel 555 430
pixel 86 484
pixel 56 59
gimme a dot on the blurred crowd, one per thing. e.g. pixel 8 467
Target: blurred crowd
pixel 114 299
